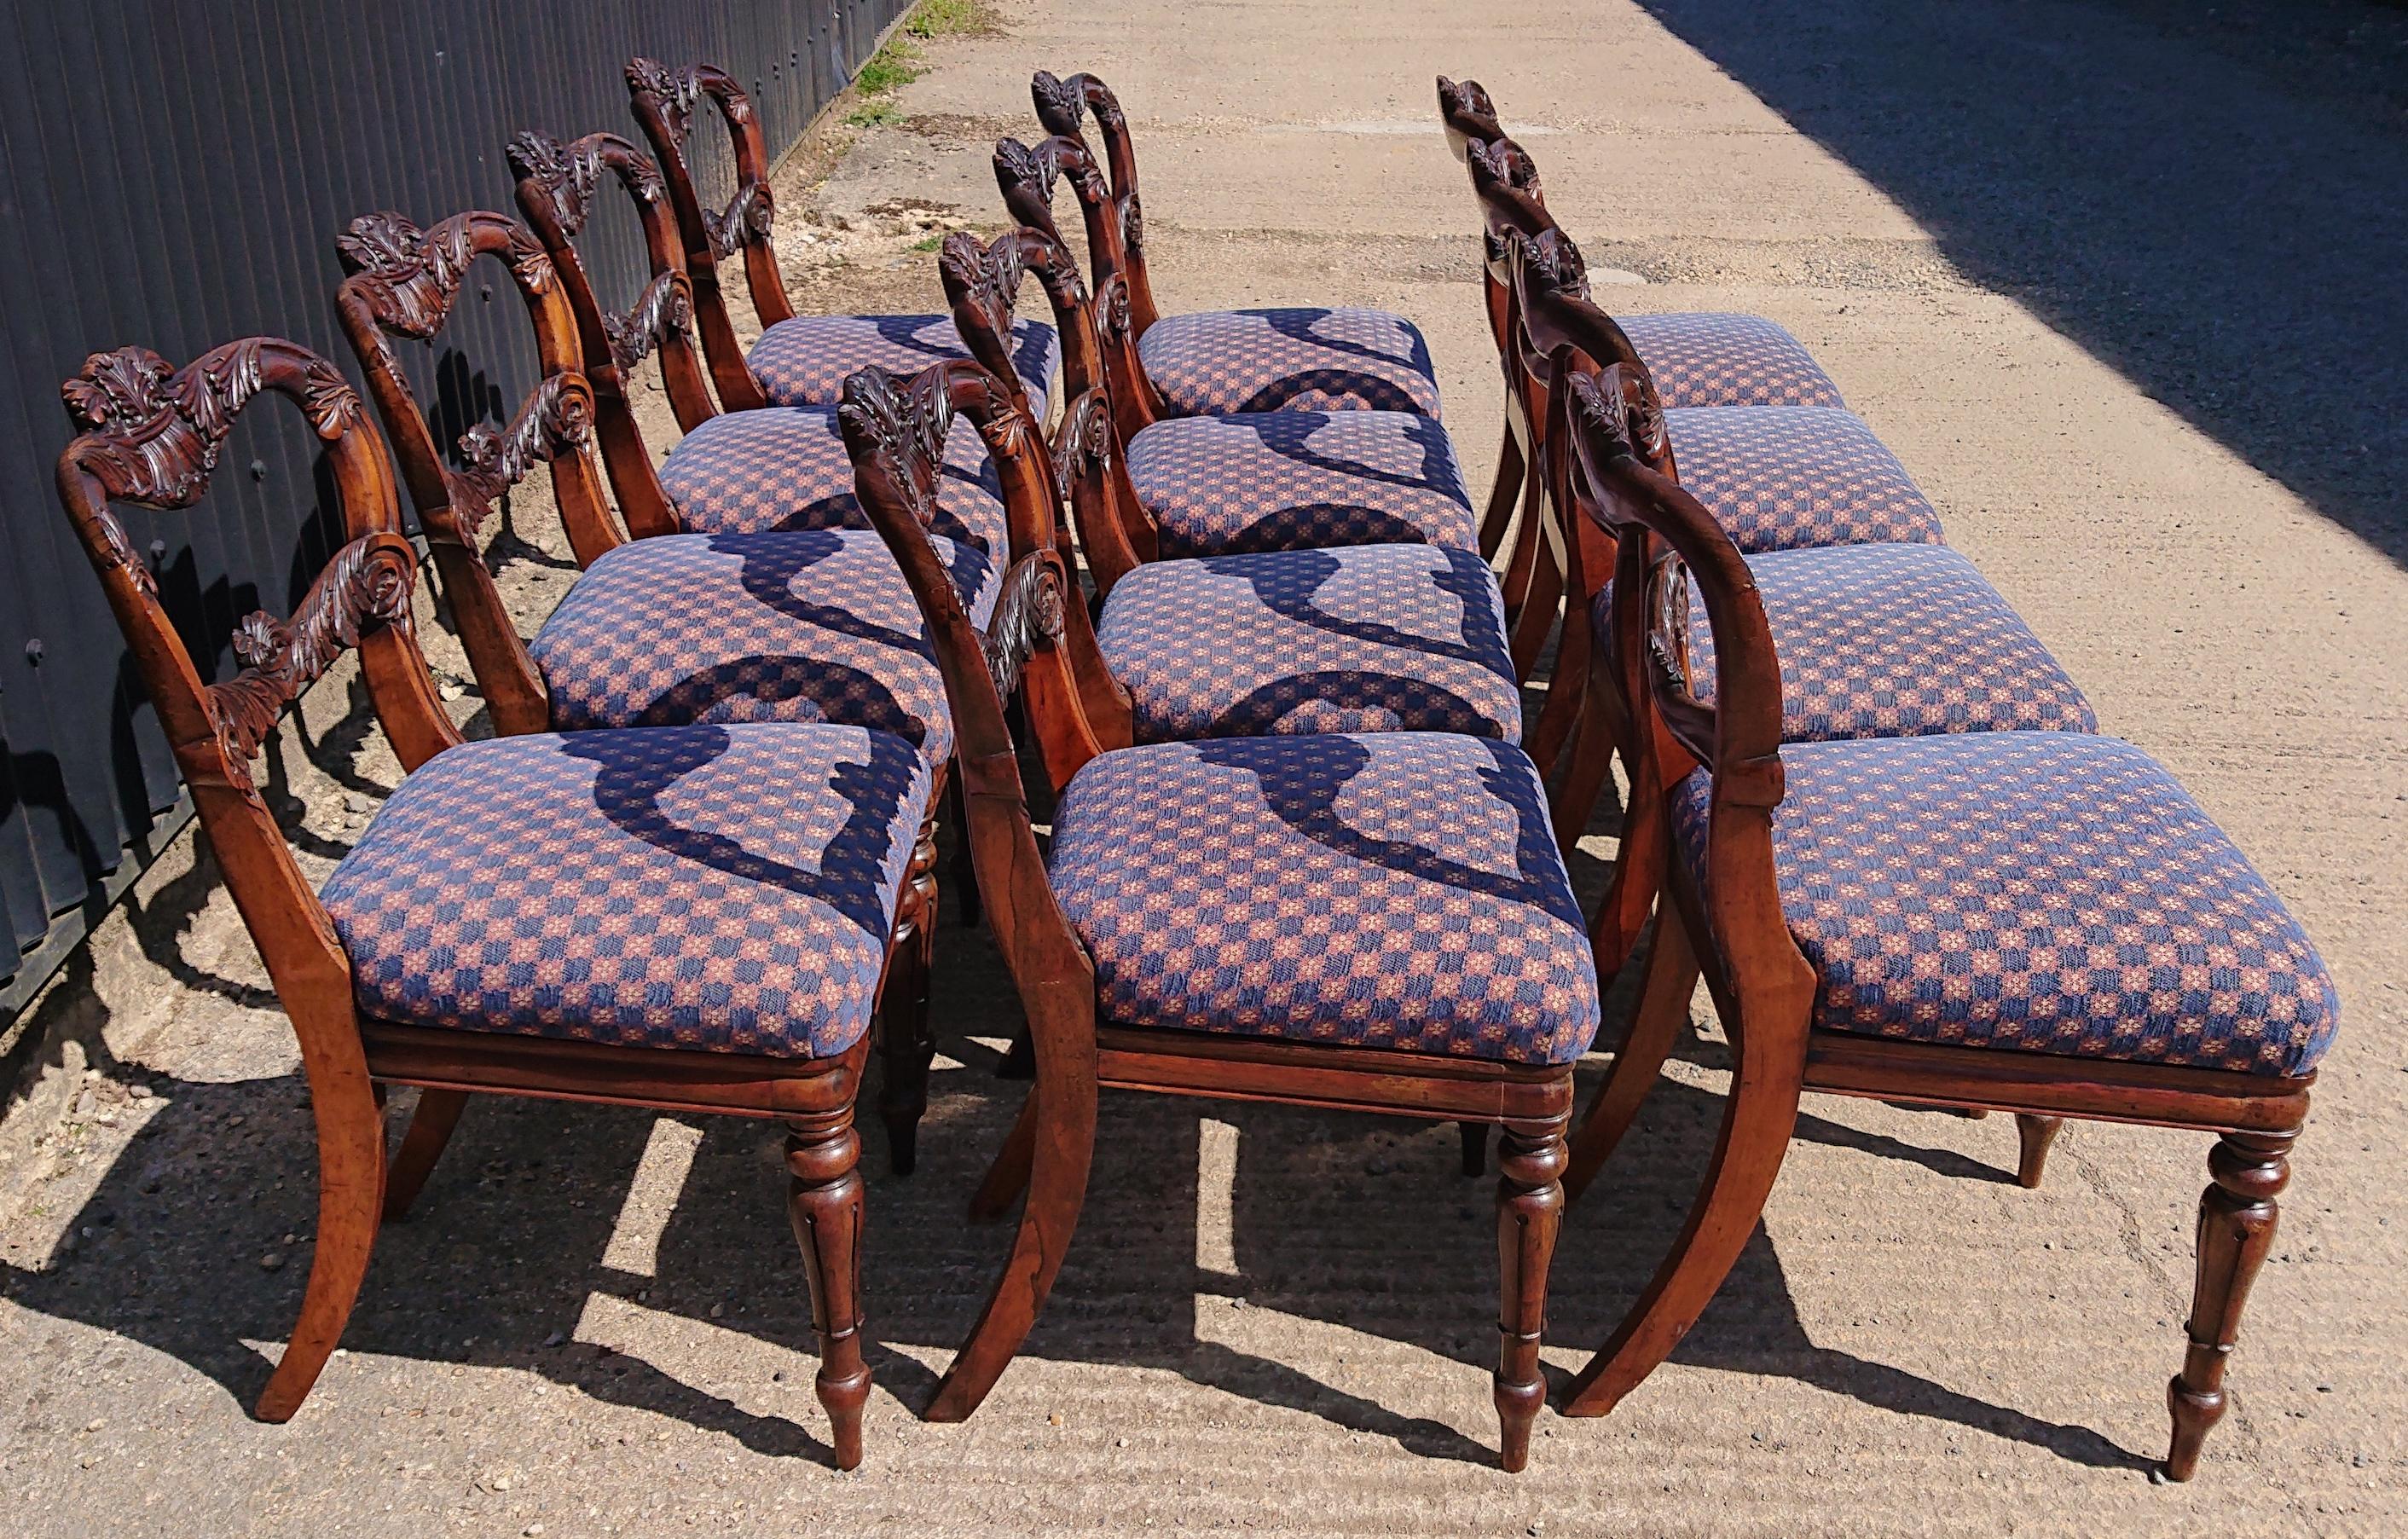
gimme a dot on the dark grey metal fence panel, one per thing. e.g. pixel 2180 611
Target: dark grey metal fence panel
pixel 176 176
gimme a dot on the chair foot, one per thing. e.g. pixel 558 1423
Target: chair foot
pixel 2033 1135
pixel 2237 1215
pixel 430 1130
pixel 1475 1146
pixel 1529 1211
pixel 350 1203
pixel 824 1204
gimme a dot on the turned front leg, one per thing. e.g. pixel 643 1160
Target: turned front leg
pixel 2236 1227
pixel 824 1157
pixel 1530 1209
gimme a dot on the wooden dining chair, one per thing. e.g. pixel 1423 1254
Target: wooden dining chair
pixel 1214 363
pixel 1296 474
pixel 798 360
pixel 2043 922
pixel 675 628
pixel 1353 638
pixel 693 919
pixel 1371 922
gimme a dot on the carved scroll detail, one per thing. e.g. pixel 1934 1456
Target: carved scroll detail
pixel 1028 617
pixel 985 278
pixel 1019 165
pixel 665 307
pixel 1501 163
pixel 413 276
pixel 566 174
pixel 1555 264
pixel 678 92
pixel 1132 225
pixel 556 418
pixel 907 424
pixel 1463 98
pixel 750 213
pixel 1083 438
pixel 1061 105
pixel 158 430
pixel 1668 625
pixel 1112 307
pixel 366 585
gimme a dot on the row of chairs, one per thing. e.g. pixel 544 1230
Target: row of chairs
pixel 1298 851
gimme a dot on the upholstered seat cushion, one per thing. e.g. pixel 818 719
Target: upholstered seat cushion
pixel 1276 480
pixel 1365 638
pixel 1219 362
pixel 1397 889
pixel 784 467
pixel 2042 892
pixel 1893 641
pixel 1781 478
pixel 803 361
pixel 1716 358
pixel 817 625
pixel 723 889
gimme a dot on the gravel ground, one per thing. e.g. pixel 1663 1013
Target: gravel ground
pixel 2118 281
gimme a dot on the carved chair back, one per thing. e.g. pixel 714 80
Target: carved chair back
pixel 980 284
pixel 1468 115
pixel 666 102
pixel 150 439
pixel 1062 107
pixel 1667 546
pixel 557 185
pixel 894 429
pixel 1026 177
pixel 406 282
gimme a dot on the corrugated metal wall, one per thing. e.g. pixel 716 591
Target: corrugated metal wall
pixel 173 173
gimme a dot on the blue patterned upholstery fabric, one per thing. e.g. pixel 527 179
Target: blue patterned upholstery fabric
pixel 816 626
pixel 1219 362
pixel 784 467
pixel 1365 638
pixel 1712 358
pixel 2039 892
pixel 803 361
pixel 1892 641
pixel 1281 481
pixel 725 889
pixel 1784 478
pixel 1397 889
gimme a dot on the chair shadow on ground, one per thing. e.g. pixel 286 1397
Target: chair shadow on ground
pixel 2206 201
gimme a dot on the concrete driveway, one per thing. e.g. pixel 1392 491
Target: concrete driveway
pixel 2119 280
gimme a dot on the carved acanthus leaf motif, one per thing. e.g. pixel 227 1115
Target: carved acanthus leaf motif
pixel 414 274
pixel 120 550
pixel 1028 617
pixel 1019 165
pixel 1463 98
pixel 557 417
pixel 1555 264
pixel 665 307
pixel 985 278
pixel 1132 225
pixel 1501 163
pixel 161 430
pixel 678 92
pixel 568 175
pixel 750 214
pixel 366 585
pixel 1643 414
pixel 1083 438
pixel 905 422
pixel 1112 307
pixel 1061 105
pixel 1668 626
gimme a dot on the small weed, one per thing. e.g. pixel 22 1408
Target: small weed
pixel 953 19
pixel 874 115
pixel 896 65
pixel 929 244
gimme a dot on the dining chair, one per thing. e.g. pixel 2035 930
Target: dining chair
pixel 688 920
pixel 1371 922
pixel 673 628
pixel 1214 363
pixel 798 360
pixel 2043 922
pixel 1297 473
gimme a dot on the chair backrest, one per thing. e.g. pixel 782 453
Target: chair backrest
pixel 151 437
pixel 1026 177
pixel 666 101
pixel 981 282
pixel 556 188
pixel 1468 115
pixel 1062 106
pixel 406 282
pixel 1666 540
pixel 894 429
